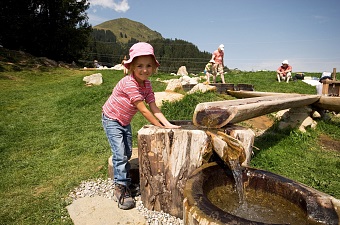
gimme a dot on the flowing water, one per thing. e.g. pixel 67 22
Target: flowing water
pixel 254 205
pixel 237 173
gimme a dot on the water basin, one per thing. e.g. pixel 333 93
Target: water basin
pixel 211 198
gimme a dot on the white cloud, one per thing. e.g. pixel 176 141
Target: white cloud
pixel 321 19
pixel 94 19
pixel 121 6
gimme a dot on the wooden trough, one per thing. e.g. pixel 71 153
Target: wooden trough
pixel 220 113
pixel 324 102
pixel 168 157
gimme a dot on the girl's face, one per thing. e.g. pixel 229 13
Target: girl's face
pixel 143 67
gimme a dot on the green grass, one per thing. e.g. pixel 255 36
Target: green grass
pixel 51 139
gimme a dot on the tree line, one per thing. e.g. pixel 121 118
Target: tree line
pixel 59 30
pixel 171 54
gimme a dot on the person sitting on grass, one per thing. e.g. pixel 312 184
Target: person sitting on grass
pixel 126 100
pixel 284 72
pixel 209 70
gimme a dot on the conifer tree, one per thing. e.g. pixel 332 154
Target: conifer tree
pixel 57 29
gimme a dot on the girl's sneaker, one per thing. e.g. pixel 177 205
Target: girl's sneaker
pixel 122 195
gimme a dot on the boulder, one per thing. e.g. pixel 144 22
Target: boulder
pixel 167 96
pixel 94 79
pixel 189 80
pixel 182 71
pixel 173 85
pixel 296 117
pixel 118 67
pixel 202 88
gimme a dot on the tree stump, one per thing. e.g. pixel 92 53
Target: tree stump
pixel 167 157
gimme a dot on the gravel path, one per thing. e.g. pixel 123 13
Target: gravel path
pixel 104 188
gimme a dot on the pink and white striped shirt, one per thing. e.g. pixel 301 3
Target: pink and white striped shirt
pixel 120 105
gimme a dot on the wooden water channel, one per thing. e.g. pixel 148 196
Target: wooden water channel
pixel 168 158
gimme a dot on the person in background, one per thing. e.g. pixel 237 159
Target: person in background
pixel 210 70
pixel 325 76
pixel 284 72
pixel 125 70
pixel 126 100
pixel 218 56
pixel 96 64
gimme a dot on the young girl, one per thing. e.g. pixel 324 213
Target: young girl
pixel 209 70
pixel 126 100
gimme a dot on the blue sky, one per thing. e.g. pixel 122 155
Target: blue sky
pixel 257 34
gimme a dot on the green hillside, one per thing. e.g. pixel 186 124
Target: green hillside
pixel 125 29
pixel 111 40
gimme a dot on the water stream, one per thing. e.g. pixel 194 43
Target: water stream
pixel 237 173
pixel 254 205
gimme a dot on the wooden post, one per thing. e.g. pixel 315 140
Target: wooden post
pixel 167 157
pixel 334 74
pixel 325 87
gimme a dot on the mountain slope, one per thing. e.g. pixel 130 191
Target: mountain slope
pixel 125 29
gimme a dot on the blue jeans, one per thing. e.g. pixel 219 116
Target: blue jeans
pixel 120 139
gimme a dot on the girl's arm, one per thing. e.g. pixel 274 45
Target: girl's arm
pixel 157 112
pixel 151 117
pixel 147 114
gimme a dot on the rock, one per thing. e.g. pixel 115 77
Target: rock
pixel 189 80
pixel 307 123
pixel 167 96
pixel 94 79
pixel 173 85
pixel 118 67
pixel 185 79
pixel 182 71
pixel 202 88
pixel 316 115
pixel 296 117
pixel 100 210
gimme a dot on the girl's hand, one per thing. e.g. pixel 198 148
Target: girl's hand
pixel 172 126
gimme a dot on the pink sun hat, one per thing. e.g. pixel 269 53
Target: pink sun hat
pixel 140 49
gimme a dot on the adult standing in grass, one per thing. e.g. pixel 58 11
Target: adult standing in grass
pixel 218 57
pixel 125 70
pixel 126 100
pixel 284 72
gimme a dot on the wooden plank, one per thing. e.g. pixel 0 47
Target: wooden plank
pixel 227 148
pixel 330 103
pixel 218 114
pixel 251 94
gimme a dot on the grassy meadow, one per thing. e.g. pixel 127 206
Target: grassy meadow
pixel 51 139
